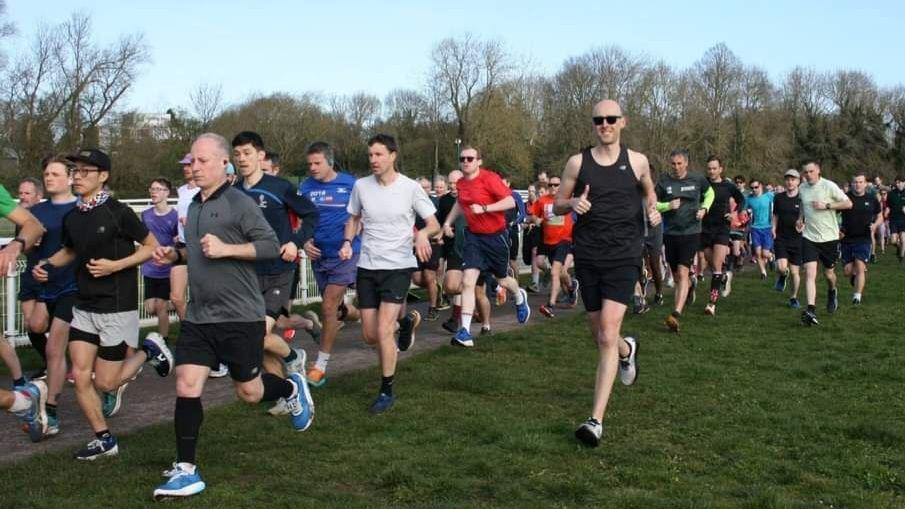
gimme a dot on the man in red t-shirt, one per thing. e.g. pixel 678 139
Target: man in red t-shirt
pixel 483 199
pixel 557 247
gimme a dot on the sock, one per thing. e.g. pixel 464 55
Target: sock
pixel 276 387
pixel 457 312
pixel 676 313
pixel 466 320
pixel 535 278
pixel 716 281
pixel 519 298
pixel 51 410
pixel 19 381
pixel 20 402
pixel 189 415
pixel 856 295
pixel 291 357
pixel 39 342
pixel 103 435
pixel 386 385
pixel 322 359
pixel 812 308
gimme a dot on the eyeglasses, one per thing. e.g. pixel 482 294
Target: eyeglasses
pixel 554 184
pixel 755 187
pixel 609 119
pixel 158 190
pixel 467 159
pixel 82 172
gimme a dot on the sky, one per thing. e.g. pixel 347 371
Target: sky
pixel 343 47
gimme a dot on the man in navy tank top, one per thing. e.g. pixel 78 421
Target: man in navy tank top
pixel 604 185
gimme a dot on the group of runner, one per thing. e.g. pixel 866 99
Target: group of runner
pixel 234 242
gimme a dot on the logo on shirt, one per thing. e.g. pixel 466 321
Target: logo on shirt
pixel 668 189
pixel 101 229
pixel 623 168
pixel 262 201
pixel 687 188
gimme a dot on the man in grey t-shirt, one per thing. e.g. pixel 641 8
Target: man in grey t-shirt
pixel 385 204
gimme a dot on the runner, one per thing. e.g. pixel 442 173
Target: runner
pixel 715 231
pixel 27 400
pixel 820 198
pixel 383 207
pixel 161 219
pixel 225 234
pixel 31 192
pixel 787 235
pixel 330 191
pixel 53 312
pixel 858 225
pixel 271 163
pixel 483 200
pixel 426 275
pixel 684 200
pixel 178 273
pixel 760 204
pixel 604 185
pixel 452 249
pixel 515 219
pixel 895 209
pixel 557 247
pixel 100 236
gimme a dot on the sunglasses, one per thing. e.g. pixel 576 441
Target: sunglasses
pixel 755 187
pixel 554 184
pixel 609 119
pixel 467 159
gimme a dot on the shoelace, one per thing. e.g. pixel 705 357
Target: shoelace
pixel 171 472
pixel 294 405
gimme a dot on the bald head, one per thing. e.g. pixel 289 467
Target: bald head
pixel 607 108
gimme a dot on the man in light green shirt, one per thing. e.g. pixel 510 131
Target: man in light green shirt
pixel 820 199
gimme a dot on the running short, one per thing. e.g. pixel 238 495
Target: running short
pixel 376 286
pixel 826 252
pixel 432 263
pixel 653 241
pixel 681 249
pixel 598 282
pixel 710 238
pixel 487 252
pixel 61 307
pixel 110 332
pixel 789 249
pixel 238 345
pixel 737 234
pixel 514 247
pixel 852 251
pixel 277 291
pixel 897 226
pixel 762 238
pixel 558 252
pixel 157 288
pixel 29 289
pixel 531 238
pixel 333 271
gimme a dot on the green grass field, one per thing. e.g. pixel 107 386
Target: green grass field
pixel 747 409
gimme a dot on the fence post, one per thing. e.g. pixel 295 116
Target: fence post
pixel 12 277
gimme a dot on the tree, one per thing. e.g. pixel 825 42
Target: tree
pixel 207 102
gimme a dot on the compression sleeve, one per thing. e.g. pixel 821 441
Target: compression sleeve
pixel 709 195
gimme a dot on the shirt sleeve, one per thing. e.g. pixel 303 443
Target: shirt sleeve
pixel 836 193
pixel 520 206
pixel 7 204
pixel 497 188
pixel 305 210
pixel 421 202
pixel 257 230
pixel 738 196
pixel 132 227
pixel 354 206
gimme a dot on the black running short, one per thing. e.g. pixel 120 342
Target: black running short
pixel 61 307
pixel 432 263
pixel 825 252
pixel 157 288
pixel 376 286
pixel 557 252
pixel 514 246
pixel 277 291
pixel 715 237
pixel 29 289
pixel 238 345
pixel 681 249
pixel 789 249
pixel 600 281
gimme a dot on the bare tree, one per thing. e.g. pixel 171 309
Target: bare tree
pixel 207 102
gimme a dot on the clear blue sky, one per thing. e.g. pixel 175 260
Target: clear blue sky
pixel 348 46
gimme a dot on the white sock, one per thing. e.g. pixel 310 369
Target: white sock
pixel 519 298
pixel 535 277
pixel 20 403
pixel 856 295
pixel 322 359
pixel 466 321
pixel 188 467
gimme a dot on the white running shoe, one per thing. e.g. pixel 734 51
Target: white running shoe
pixel 727 284
pixel 298 365
pixel 590 432
pixel 219 373
pixel 280 408
pixel 628 369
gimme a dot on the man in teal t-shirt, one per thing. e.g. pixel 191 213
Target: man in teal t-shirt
pixel 760 204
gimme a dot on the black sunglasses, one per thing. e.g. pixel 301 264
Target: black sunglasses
pixel 609 119
pixel 469 159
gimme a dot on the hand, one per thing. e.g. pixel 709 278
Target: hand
pixel 100 267
pixel 8 257
pixel 675 203
pixel 438 238
pixel 727 217
pixel 477 209
pixel 581 205
pixel 289 251
pixel 164 255
pixel 700 214
pixel 311 250
pixel 422 247
pixel 213 247
pixel 653 217
pixel 39 272
pixel 345 252
pixel 448 230
pixel 799 226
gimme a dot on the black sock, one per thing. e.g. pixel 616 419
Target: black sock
pixel 103 435
pixel 19 381
pixel 51 410
pixel 386 385
pixel 39 342
pixel 812 308
pixel 730 262
pixel 676 313
pixel 189 415
pixel 291 357
pixel 276 387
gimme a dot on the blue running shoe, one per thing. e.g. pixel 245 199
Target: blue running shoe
pixel 98 448
pixel 159 354
pixel 301 406
pixel 794 304
pixel 182 482
pixel 523 310
pixel 383 403
pixel 463 338
pixel 35 416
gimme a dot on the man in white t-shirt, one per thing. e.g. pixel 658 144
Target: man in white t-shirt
pixel 384 204
pixel 820 199
pixel 179 277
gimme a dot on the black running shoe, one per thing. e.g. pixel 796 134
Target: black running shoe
pixel 451 325
pixel 832 300
pixel 809 318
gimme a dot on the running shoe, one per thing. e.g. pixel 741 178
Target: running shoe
pixel 658 299
pixel 710 309
pixel 486 331
pixel 809 318
pixel 547 310
pixel 523 310
pixel 590 432
pixel 298 364
pixel 280 408
pixel 406 337
pixel 832 300
pixel 856 301
pixel 34 418
pixel 670 282
pixel 462 338
pixel 780 285
pixel 873 258
pixel 443 300
pixel 533 288
pixel 628 368
pixel 794 304
pixel 727 285
pixel 673 323
pixel 181 483
pixel 501 295
pixel 316 377
pixel 40 374
pixel 112 402
pixel 763 276
pixel 450 325
pixel 301 405
pixel 432 314
pixel 383 403
pixel 53 426
pixel 98 448
pixel 573 292
pixel 316 326
pixel 220 372
pixel 159 354
pixel 691 297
